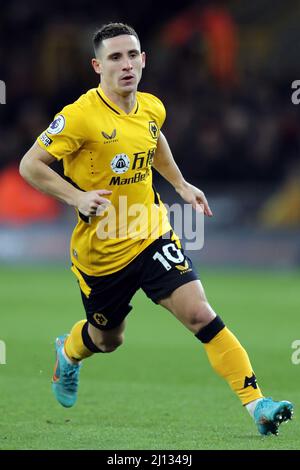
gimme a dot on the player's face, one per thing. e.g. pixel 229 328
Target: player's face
pixel 120 63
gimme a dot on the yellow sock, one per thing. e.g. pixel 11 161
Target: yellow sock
pixel 231 361
pixel 74 346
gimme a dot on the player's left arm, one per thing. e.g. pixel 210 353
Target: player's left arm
pixel 165 164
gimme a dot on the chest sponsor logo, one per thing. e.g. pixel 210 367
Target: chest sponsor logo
pixel 57 125
pixel 137 178
pixel 153 129
pixel 120 163
pixel 142 162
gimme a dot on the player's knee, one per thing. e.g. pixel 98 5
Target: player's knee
pixel 198 316
pixel 110 346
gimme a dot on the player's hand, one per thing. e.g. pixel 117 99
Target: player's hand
pixel 194 196
pixel 92 203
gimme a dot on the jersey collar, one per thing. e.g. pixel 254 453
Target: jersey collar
pixel 113 107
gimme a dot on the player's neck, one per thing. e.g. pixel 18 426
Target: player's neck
pixel 126 103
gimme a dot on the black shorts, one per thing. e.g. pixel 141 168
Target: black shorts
pixel 158 271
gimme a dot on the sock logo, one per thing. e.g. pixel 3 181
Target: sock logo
pixel 250 381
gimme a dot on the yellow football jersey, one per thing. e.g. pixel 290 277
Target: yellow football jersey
pixel 102 147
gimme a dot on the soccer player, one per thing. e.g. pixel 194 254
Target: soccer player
pixel 109 139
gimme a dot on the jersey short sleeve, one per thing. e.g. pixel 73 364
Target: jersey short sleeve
pixel 66 133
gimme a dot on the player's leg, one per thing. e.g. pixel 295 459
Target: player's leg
pixel 83 341
pixel 189 304
pixel 106 301
pixel 107 340
pixel 171 282
pixel 226 355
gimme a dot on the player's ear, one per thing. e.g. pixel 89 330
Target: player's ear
pixel 143 59
pixel 96 65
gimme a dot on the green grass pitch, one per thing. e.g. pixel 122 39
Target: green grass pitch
pixel 158 390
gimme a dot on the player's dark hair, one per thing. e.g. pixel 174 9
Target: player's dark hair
pixel 111 30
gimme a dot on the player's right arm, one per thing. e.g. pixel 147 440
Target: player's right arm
pixel 35 169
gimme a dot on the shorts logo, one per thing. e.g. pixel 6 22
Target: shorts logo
pixel 153 129
pixel 183 269
pixel 46 139
pixel 57 125
pixel 100 319
pixel 120 163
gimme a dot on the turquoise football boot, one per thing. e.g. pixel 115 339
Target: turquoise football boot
pixel 269 414
pixel 66 376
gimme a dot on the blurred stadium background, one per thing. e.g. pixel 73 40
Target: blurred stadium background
pixel 224 71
